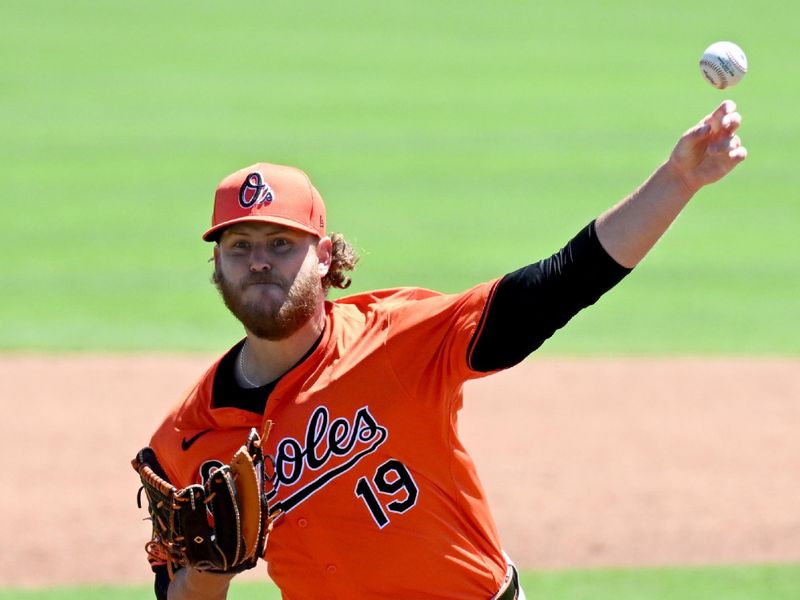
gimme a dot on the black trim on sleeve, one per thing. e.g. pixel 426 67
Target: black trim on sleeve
pixel 530 304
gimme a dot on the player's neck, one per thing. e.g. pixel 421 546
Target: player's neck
pixel 263 361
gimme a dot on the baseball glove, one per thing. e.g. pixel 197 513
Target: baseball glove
pixel 221 526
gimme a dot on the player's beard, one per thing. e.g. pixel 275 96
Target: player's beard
pixel 269 322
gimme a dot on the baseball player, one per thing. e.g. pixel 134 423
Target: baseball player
pixel 373 494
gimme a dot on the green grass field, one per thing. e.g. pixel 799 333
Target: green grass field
pixel 453 141
pixel 775 582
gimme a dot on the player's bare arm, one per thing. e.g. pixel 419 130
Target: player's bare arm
pixel 704 154
pixel 197 585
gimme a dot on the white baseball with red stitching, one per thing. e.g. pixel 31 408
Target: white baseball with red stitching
pixel 723 64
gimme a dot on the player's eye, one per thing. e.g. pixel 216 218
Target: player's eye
pixel 281 244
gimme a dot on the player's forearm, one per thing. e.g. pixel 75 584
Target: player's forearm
pixel 630 229
pixel 190 584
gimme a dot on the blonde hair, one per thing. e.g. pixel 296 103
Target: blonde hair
pixel 344 259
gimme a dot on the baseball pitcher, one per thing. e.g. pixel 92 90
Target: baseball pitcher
pixel 326 441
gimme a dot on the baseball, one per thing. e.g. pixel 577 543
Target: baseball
pixel 723 64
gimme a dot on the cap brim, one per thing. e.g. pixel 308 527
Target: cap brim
pixel 213 234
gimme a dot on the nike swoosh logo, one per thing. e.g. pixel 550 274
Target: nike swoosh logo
pixel 186 444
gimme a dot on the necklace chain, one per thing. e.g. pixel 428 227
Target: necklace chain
pixel 241 367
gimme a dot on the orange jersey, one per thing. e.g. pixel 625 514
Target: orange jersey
pixel 377 494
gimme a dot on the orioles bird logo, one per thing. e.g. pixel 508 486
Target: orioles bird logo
pixel 255 190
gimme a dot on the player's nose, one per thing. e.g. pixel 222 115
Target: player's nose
pixel 259 260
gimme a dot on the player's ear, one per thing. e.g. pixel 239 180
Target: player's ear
pixel 324 255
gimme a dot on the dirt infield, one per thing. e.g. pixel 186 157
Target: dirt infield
pixel 586 462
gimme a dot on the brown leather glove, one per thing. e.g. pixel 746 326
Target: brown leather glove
pixel 221 526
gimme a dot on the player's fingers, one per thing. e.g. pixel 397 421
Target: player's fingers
pixel 725 107
pixel 715 118
pixel 698 133
pixel 729 149
pixel 731 122
pixel 725 145
pixel 738 154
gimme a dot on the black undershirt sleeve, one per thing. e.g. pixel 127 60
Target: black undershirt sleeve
pixel 161 584
pixel 530 304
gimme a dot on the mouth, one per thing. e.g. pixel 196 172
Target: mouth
pixel 265 288
pixel 263 284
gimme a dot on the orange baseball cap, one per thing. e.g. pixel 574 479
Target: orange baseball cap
pixel 268 193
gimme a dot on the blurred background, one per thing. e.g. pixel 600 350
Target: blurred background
pixel 452 142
